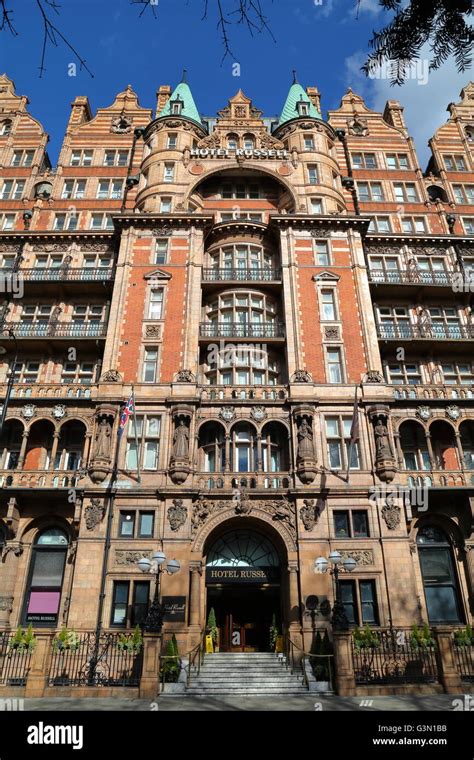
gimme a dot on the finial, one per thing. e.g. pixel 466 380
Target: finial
pixel 184 77
pixel 295 80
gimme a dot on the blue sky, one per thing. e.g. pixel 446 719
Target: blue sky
pixel 321 39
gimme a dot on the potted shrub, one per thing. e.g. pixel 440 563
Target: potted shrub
pixel 131 643
pixel 23 641
pixel 171 667
pixel 320 665
pixel 66 639
pixel 273 634
pixel 212 628
pixel 421 638
pixel 464 637
pixel 365 638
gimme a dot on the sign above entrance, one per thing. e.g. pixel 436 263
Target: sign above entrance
pixel 265 153
pixel 242 575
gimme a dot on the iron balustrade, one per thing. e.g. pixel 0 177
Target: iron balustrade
pixel 57 329
pixel 235 274
pixel 394 660
pixel 241 330
pixel 115 665
pixel 405 277
pixel 60 274
pixel 14 662
pixel 425 332
pixel 464 659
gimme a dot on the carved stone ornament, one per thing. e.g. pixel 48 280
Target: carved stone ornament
pixel 373 376
pixel 331 332
pixel 177 514
pixel 361 556
pixel 309 513
pixel 103 439
pixel 153 331
pixel 453 412
pixel 12 546
pixel 358 127
pixel 301 376
pixel 6 603
pixel 424 412
pixel 94 514
pixel 111 376
pixel 227 413
pixel 179 461
pixel 164 231
pixel 391 515
pixel 258 413
pixel 185 376
pixel 28 411
pixel 130 557
pixel 59 411
pixel 281 510
pixel 121 125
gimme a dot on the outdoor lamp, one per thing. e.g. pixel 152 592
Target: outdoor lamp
pixel 144 564
pixel 321 564
pixel 335 558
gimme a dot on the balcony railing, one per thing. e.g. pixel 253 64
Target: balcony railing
pixel 238 330
pixel 434 392
pixel 263 274
pixel 437 478
pixel 243 392
pixel 50 391
pixel 425 332
pixel 404 277
pixel 60 274
pixel 57 329
pixel 212 481
pixel 39 479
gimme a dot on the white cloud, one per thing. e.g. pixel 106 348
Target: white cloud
pixel 425 104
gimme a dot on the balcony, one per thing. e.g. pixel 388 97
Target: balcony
pixel 50 390
pixel 37 330
pixel 62 274
pixel 414 279
pixel 433 392
pixel 237 330
pixel 39 479
pixel 428 332
pixel 260 481
pixel 420 479
pixel 238 275
pixel 243 393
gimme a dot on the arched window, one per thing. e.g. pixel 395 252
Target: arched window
pixel 243 448
pixel 212 447
pixel 414 447
pixel 43 595
pixel 242 548
pixel 274 447
pixel 249 142
pixel 232 142
pixel 6 127
pixel 439 576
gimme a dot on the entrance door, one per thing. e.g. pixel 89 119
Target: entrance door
pixel 233 634
pixel 244 618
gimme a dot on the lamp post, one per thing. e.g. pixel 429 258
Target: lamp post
pixel 154 620
pixel 11 378
pixel 332 565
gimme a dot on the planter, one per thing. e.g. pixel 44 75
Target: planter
pixel 174 688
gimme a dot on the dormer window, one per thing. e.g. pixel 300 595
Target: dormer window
pixel 249 142
pixel 232 142
pixel 177 106
pixel 303 108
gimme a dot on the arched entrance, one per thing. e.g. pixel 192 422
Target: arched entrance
pixel 245 585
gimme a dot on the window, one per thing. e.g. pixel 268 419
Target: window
pixel 309 142
pixel 351 523
pixel 6 127
pixel 101 222
pixel 7 221
pixel 370 191
pixel 464 193
pixel 146 522
pixel 168 173
pixel 150 361
pixel 249 142
pixel 155 305
pixel 364 161
pixel 334 364
pixel 321 253
pixel 12 189
pixel 148 438
pixel 457 373
pixel 73 189
pixel 109 188
pixel 46 578
pixel 405 192
pixel 455 163
pixel 327 302
pixel 380 224
pixel 468 224
pixel 413 224
pixel 121 613
pixel 23 157
pixel 403 373
pixel 313 175
pixel 161 250
pixel 397 161
pixel 141 595
pixel 116 158
pixel 165 205
pixel 127 524
pixel 316 206
pixel 338 435
pixel 232 142
pixel 172 141
pixel 302 108
pixel 240 191
pixel 439 576
pixel 81 158
pixel 360 602
pixel 78 372
pixel 26 372
pixel 65 221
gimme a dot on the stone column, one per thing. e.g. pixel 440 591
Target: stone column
pixel 227 453
pixel 449 676
pixel 9 572
pixel 24 443
pixel 37 680
pixel 459 449
pixel 293 597
pixel 54 449
pixel 344 666
pixel 259 453
pixel 430 450
pixel 195 601
pixel 150 680
pixel 86 450
pixel 398 445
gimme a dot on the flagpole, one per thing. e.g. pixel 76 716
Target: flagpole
pixel 139 480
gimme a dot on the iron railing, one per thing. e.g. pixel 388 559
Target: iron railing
pixel 56 329
pixel 394 660
pixel 241 330
pixel 95 662
pixel 234 274
pixel 63 274
pixel 425 332
pixel 464 659
pixel 14 662
pixel 405 277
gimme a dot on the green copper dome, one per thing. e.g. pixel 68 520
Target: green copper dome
pixel 183 92
pixel 297 93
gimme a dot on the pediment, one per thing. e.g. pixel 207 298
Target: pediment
pixel 326 277
pixel 157 274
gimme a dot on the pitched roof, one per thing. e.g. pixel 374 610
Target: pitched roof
pixel 183 91
pixel 297 93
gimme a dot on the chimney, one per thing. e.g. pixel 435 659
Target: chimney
pixel 393 114
pixel 81 112
pixel 162 97
pixel 315 97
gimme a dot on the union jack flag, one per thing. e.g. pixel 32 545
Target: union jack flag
pixel 128 409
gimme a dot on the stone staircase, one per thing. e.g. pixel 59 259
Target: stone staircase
pixel 245 673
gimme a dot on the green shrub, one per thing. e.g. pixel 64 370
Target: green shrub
pixel 66 640
pixel 273 633
pixel 365 638
pixel 23 641
pixel 171 663
pixel 212 624
pixel 131 643
pixel 464 637
pixel 421 638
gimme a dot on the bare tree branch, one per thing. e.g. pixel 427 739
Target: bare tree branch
pixel 51 33
pixel 5 22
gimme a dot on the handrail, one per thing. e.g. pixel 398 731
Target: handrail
pixel 290 646
pixel 198 650
pixel 190 654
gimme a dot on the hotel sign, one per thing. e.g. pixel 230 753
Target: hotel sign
pixel 260 153
pixel 241 575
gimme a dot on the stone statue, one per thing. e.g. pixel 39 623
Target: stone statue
pixel 103 440
pixel 181 441
pixel 383 448
pixel 305 440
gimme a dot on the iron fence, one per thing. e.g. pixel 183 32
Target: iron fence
pixel 464 659
pixel 95 661
pixel 14 662
pixel 394 659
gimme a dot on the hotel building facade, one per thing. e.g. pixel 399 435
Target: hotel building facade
pixel 244 278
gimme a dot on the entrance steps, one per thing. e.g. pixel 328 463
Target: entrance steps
pixel 245 673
